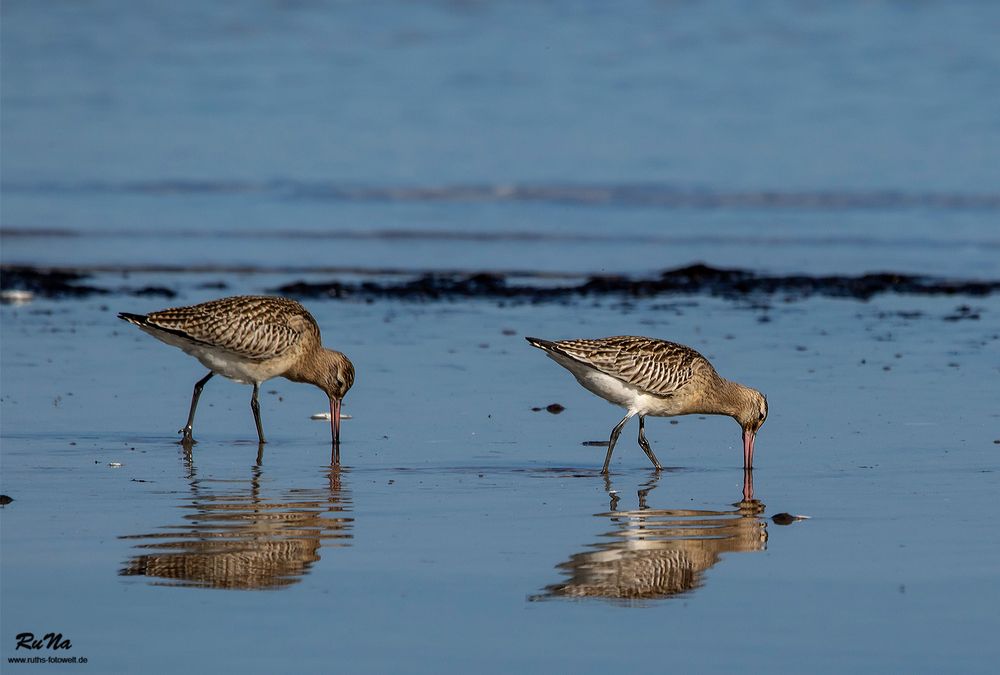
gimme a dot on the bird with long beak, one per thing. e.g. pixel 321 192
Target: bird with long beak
pixel 250 339
pixel 654 377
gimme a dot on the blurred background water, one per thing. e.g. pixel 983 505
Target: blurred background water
pixel 781 136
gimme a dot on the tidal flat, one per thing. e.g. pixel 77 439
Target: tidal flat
pixel 465 530
pixel 435 181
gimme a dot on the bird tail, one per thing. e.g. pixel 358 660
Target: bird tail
pixel 137 319
pixel 544 345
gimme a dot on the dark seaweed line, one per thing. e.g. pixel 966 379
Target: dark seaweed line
pixel 638 195
pixel 693 280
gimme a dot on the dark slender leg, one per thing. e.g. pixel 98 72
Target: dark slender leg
pixel 255 406
pixel 644 444
pixel 198 386
pixel 614 439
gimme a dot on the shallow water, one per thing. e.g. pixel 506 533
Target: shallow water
pixel 261 143
pixel 466 531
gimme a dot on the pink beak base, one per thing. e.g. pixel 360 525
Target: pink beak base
pixel 748 439
pixel 335 419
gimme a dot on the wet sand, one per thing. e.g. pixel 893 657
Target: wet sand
pixel 435 181
pixel 465 530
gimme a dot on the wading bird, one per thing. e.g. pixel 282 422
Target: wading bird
pixel 655 377
pixel 251 339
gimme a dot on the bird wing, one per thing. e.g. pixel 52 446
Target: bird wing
pixel 250 327
pixel 656 366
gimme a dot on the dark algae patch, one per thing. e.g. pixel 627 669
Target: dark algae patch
pixel 696 279
pixel 50 283
pixel 66 283
pixel 692 280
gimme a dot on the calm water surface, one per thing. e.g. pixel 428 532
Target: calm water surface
pixel 843 137
pixel 463 531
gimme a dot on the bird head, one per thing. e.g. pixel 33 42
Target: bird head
pixel 337 376
pixel 752 411
pixel 751 415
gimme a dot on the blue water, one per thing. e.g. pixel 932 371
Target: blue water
pixel 841 137
pixel 458 507
pixel 297 138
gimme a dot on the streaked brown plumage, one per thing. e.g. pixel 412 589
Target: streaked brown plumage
pixel 647 376
pixel 251 339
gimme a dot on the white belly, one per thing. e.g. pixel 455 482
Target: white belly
pixel 616 391
pixel 246 371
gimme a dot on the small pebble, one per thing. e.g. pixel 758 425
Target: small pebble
pixel 786 518
pixel 16 296
pixel 555 408
pixel 5 500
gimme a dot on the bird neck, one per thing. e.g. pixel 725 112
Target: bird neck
pixel 725 397
pixel 317 366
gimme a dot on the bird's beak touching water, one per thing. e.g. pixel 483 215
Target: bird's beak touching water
pixel 335 419
pixel 749 434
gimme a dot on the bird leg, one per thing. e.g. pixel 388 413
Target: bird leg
pixel 614 439
pixel 644 444
pixel 198 386
pixel 255 406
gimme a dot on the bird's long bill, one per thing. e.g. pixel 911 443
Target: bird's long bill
pixel 748 438
pixel 335 419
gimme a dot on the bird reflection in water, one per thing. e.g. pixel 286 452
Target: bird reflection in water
pixel 655 554
pixel 234 537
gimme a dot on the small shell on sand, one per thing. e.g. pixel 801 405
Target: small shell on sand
pixel 326 416
pixel 16 296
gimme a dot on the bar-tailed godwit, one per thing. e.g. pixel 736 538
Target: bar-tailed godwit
pixel 251 339
pixel 655 377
